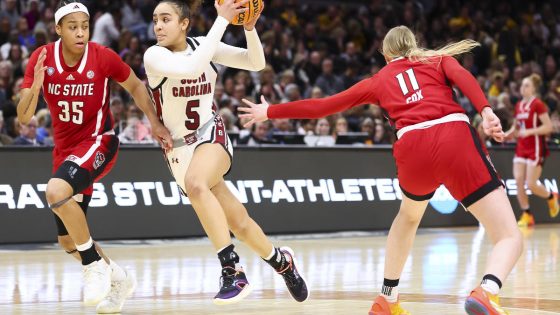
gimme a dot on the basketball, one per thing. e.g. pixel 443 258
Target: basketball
pixel 242 18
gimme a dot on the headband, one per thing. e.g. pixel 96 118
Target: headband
pixel 68 9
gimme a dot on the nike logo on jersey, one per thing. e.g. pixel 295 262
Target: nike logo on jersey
pixel 70 77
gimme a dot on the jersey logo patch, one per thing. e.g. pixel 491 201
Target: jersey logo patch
pixel 50 71
pixel 99 160
pixel 70 77
pixel 90 74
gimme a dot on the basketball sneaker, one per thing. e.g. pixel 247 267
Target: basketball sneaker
pixel 481 302
pixel 120 291
pixel 382 307
pixel 97 282
pixel 526 219
pixel 233 286
pixel 553 206
pixel 294 280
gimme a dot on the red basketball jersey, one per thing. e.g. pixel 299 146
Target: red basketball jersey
pixel 527 117
pixel 78 97
pixel 409 92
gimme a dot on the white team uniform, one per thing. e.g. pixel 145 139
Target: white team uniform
pixel 183 84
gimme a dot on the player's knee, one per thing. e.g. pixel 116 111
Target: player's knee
pixel 195 188
pixel 410 216
pixel 55 194
pixel 532 185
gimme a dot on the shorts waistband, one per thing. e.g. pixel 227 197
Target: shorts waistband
pixel 430 123
pixel 195 135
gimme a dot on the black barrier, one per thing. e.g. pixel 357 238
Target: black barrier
pixel 286 189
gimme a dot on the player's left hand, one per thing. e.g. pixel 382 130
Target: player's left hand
pixel 250 25
pixel 162 135
pixel 255 112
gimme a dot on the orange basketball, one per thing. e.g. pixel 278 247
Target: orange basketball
pixel 242 18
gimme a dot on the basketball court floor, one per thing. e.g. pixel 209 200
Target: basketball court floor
pixel 344 272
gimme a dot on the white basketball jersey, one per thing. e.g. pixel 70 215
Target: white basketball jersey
pixel 185 105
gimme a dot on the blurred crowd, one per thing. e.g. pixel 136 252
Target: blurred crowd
pixel 313 49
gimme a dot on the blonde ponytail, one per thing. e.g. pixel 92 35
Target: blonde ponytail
pixel 401 42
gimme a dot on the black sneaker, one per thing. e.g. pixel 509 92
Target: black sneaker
pixel 233 286
pixel 294 281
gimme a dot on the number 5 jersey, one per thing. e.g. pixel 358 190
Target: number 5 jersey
pixel 183 82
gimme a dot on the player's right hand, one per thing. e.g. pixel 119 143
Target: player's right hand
pixel 39 71
pixel 491 125
pixel 255 112
pixel 230 9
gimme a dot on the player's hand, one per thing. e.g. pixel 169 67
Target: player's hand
pixel 522 133
pixel 39 70
pixel 250 25
pixel 255 112
pixel 491 125
pixel 162 135
pixel 511 134
pixel 230 9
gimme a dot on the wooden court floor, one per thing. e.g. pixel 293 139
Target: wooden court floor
pixel 344 272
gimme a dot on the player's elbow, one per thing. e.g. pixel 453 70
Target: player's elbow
pixel 259 65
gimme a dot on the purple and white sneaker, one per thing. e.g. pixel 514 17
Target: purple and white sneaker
pixel 294 280
pixel 234 286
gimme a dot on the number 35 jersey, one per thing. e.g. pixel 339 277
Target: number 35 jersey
pixel 183 104
pixel 78 96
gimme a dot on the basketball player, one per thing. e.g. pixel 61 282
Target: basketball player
pixel 182 77
pixel 436 144
pixel 531 125
pixel 73 76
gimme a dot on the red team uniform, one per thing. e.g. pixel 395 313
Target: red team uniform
pixel 531 149
pixel 436 145
pixel 78 100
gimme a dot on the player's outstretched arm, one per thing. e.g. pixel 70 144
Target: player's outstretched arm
pixel 363 92
pixel 30 96
pixel 142 99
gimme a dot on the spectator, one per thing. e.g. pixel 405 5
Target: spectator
pixel 260 134
pixel 329 82
pixel 25 34
pixel 32 15
pixel 10 11
pixel 4 138
pixel 105 31
pixel 28 134
pixel 132 19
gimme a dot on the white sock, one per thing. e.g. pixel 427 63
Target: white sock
pixel 118 273
pixel 272 252
pixel 87 245
pixel 392 295
pixel 490 286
